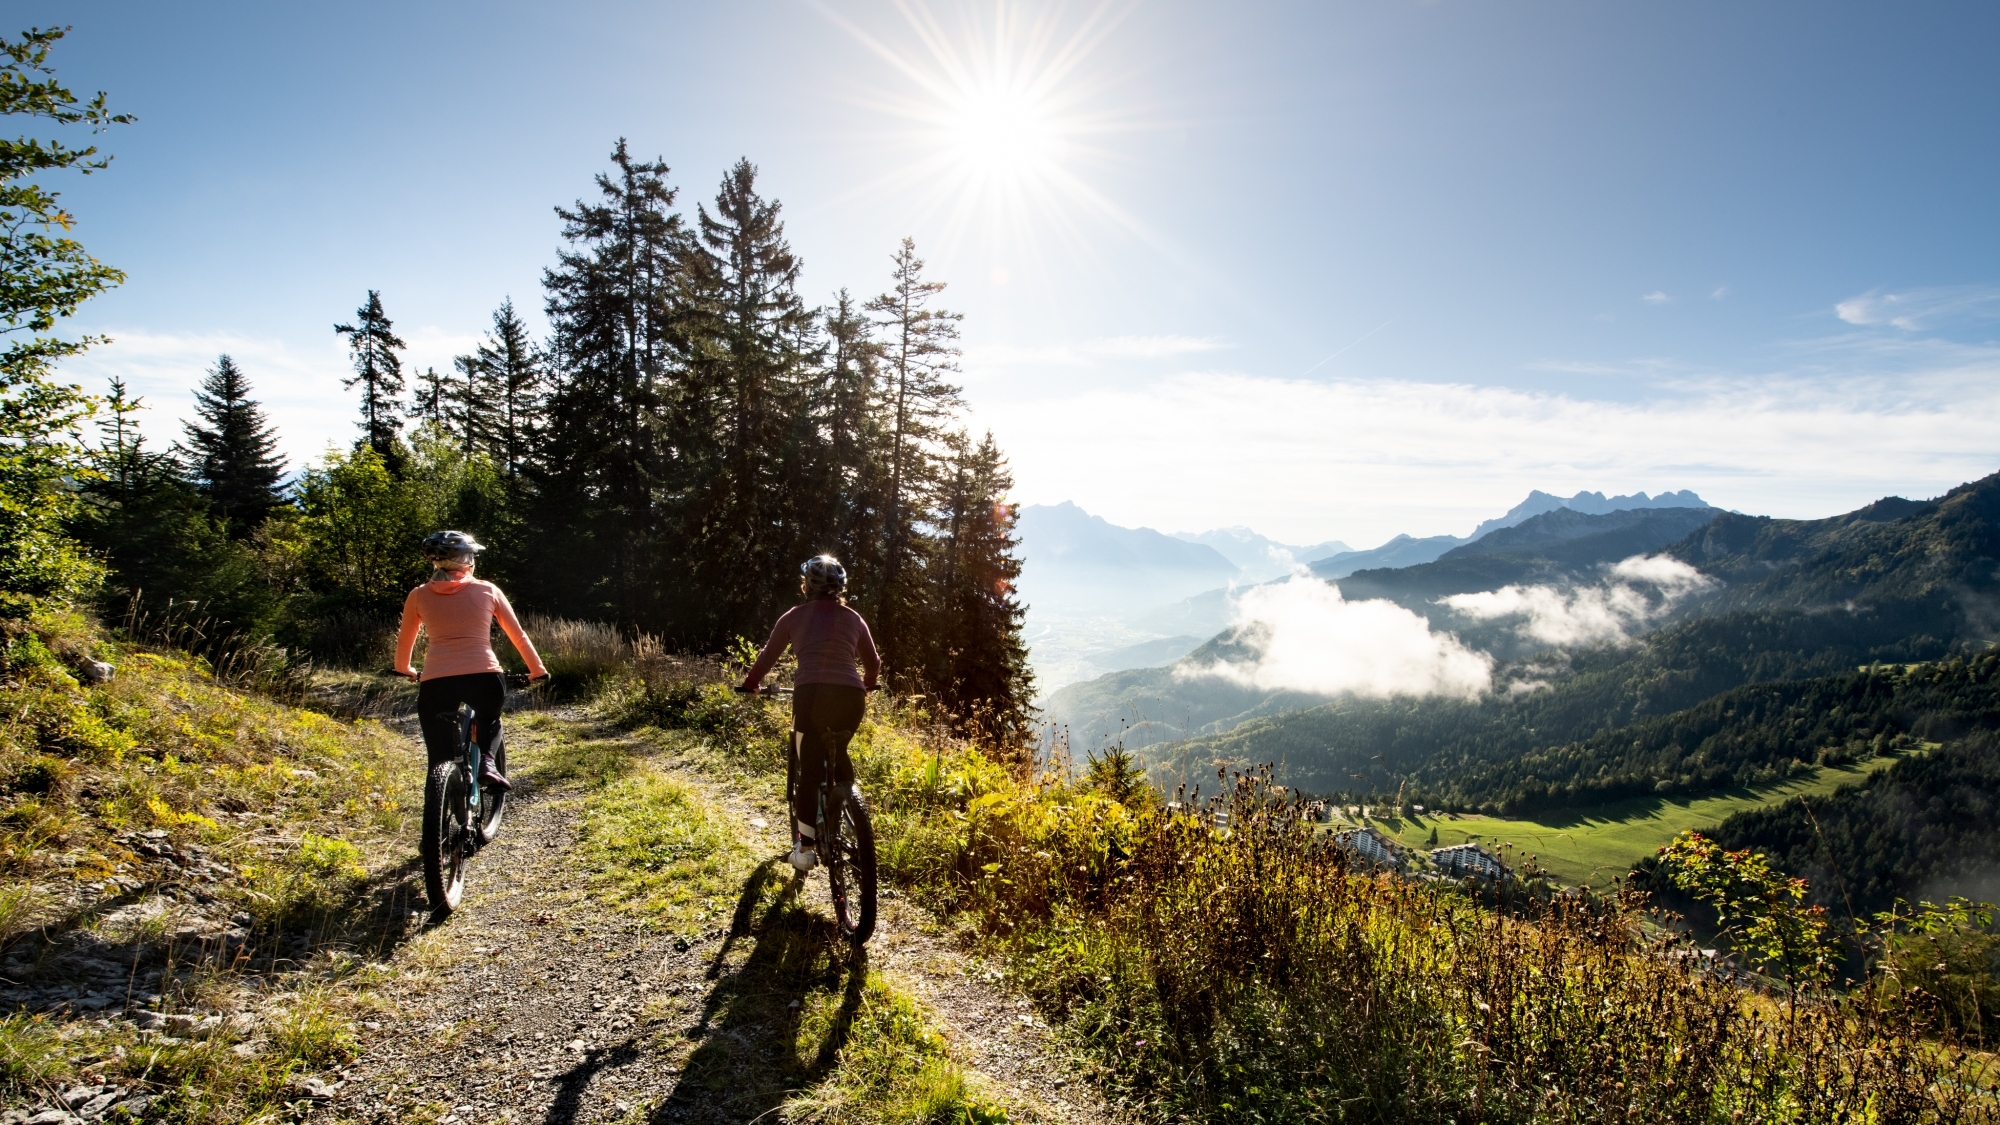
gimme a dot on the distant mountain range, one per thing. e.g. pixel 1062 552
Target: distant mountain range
pixel 1258 557
pixel 1560 546
pixel 1078 564
pixel 1811 644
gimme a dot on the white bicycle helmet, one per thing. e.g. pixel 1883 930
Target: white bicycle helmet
pixel 824 576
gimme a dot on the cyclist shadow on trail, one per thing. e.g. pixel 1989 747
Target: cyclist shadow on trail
pixel 786 991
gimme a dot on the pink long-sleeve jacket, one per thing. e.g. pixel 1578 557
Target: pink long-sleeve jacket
pixel 458 617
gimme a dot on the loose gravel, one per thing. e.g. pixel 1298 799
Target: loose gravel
pixel 537 1002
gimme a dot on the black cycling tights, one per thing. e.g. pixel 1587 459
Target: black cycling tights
pixel 824 718
pixel 437 711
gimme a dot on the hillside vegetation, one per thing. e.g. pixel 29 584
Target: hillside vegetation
pixel 1254 974
pixel 1927 827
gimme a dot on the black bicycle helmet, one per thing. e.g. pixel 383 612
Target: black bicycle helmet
pixel 824 576
pixel 442 547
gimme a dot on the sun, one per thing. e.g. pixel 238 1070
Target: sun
pixel 999 132
pixel 1001 110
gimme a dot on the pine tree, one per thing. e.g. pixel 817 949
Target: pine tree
pixel 614 440
pixel 844 496
pixel 372 345
pixel 978 665
pixel 919 350
pixel 158 533
pixel 230 451
pixel 516 379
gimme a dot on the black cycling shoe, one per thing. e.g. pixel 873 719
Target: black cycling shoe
pixel 493 779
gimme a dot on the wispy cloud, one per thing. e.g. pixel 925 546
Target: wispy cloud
pixel 1154 347
pixel 1656 297
pixel 1639 590
pixel 1721 291
pixel 1085 353
pixel 1363 459
pixel 1919 309
pixel 1301 635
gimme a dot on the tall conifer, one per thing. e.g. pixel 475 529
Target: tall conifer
pixel 977 663
pixel 429 401
pixel 614 435
pixel 230 451
pixel 469 402
pixel 515 371
pixel 372 345
pixel 919 351
pixel 750 327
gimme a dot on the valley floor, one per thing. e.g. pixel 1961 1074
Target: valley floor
pixel 1598 844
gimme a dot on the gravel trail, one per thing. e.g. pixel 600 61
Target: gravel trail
pixel 536 1002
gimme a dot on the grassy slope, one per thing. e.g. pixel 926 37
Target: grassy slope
pixel 223 864
pixel 1598 844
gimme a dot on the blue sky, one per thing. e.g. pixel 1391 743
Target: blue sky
pixel 1329 270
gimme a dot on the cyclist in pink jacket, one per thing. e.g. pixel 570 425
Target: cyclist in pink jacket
pixel 457 611
pixel 829 695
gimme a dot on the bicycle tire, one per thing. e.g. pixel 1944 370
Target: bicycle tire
pixel 443 845
pixel 850 869
pixel 493 802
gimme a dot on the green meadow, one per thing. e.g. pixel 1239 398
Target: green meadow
pixel 1599 843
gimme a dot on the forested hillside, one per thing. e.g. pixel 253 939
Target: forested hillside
pixel 1926 828
pixel 1895 582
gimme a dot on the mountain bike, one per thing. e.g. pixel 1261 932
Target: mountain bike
pixel 460 815
pixel 845 833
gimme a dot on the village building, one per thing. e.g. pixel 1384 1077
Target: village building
pixel 1372 846
pixel 1468 859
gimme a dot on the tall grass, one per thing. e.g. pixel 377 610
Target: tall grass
pixel 235 657
pixel 1224 962
pixel 1249 973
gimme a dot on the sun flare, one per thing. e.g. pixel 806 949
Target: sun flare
pixel 996 132
pixel 1001 111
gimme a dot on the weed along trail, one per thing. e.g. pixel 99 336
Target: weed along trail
pixel 634 949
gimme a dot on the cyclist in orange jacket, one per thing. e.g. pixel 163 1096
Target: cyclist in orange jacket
pixel 457 611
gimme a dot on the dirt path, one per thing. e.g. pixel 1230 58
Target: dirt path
pixel 538 1002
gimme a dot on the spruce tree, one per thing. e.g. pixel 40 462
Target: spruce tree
pixel 919 350
pixel 515 374
pixel 845 493
pixel 750 327
pixel 230 451
pixel 119 456
pixel 372 345
pixel 469 405
pixel 429 400
pixel 614 434
pixel 977 663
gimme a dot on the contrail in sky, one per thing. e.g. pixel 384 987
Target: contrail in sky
pixel 1324 362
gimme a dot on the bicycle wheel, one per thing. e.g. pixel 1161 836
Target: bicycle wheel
pixel 443 847
pixel 850 868
pixel 493 802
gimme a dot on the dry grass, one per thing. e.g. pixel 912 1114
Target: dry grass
pixel 231 854
pixel 1246 973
